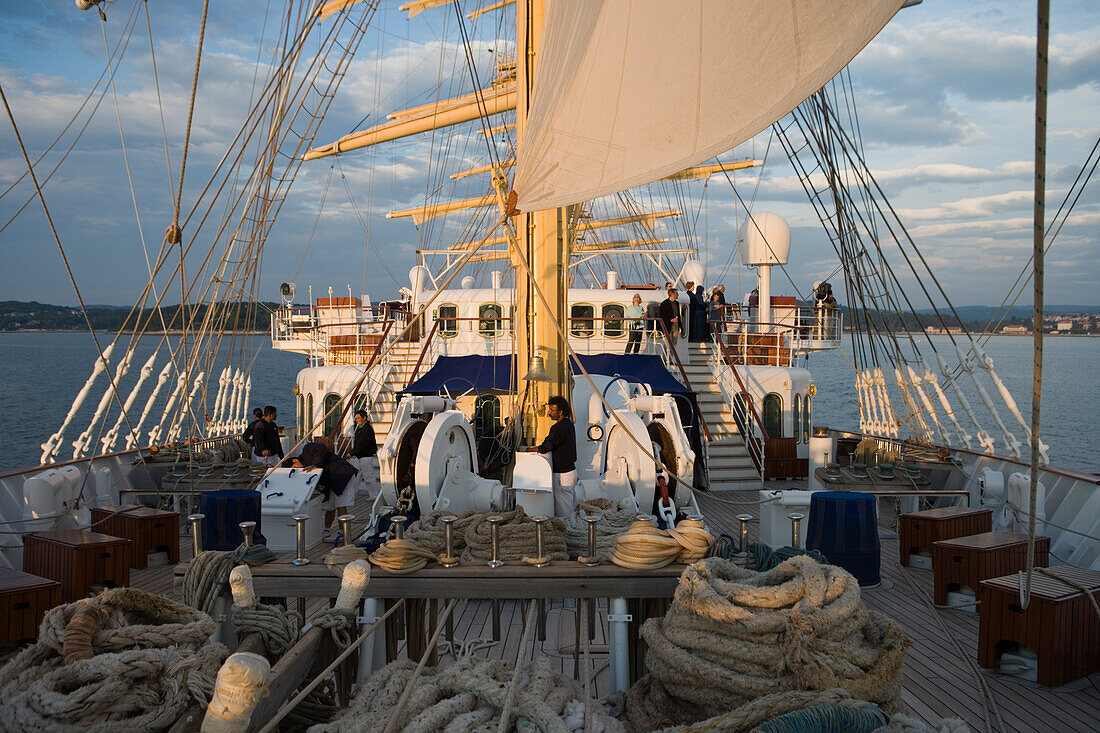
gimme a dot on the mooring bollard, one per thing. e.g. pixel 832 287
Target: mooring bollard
pixel 592 560
pixel 301 520
pixel 345 527
pixel 539 520
pixel 398 521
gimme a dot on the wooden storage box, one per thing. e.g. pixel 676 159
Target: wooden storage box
pixel 77 559
pixel 967 561
pixel 149 529
pixel 1059 625
pixel 918 530
pixel 24 600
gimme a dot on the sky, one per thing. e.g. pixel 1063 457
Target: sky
pixel 945 101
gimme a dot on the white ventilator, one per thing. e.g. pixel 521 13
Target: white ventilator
pixel 52 446
pixel 82 443
pixel 135 434
pixel 242 681
pixel 109 439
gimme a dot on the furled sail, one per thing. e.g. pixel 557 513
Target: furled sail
pixel 630 91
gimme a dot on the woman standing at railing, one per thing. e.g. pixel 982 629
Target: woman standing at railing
pixel 635 316
pixel 716 312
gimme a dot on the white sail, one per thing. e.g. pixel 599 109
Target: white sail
pixel 629 91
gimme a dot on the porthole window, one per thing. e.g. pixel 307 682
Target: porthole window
pixel 490 321
pixel 612 315
pixel 448 320
pixel 582 320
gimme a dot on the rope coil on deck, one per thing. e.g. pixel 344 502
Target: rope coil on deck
pixel 209 572
pixel 401 556
pixel 141 661
pixel 615 520
pixel 646 547
pixel 732 636
pixel 465 696
pixel 517 538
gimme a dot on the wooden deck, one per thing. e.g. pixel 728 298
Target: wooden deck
pixel 941 680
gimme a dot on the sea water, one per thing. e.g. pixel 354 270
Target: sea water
pixel 43 372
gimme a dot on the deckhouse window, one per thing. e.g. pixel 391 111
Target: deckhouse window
pixel 773 415
pixel 798 418
pixel 309 414
pixel 582 320
pixel 612 315
pixel 448 320
pixel 486 416
pixel 301 415
pixel 490 319
pixel 332 413
pixel 805 421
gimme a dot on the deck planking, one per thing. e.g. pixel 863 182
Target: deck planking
pixel 938 681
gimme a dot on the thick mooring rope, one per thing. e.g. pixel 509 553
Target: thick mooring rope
pixel 468 695
pixel 732 636
pixel 149 658
pixel 209 572
pixel 645 547
pixel 615 520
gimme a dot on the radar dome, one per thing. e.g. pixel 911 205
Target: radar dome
pixel 467 282
pixel 692 272
pixel 419 278
pixel 764 239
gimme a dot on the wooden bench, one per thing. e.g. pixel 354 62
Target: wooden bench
pixel 77 559
pixel 1059 625
pixel 918 530
pixel 24 600
pixel 967 561
pixel 149 529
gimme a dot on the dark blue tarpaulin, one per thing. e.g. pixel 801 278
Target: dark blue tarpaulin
pixel 458 374
pixel 642 368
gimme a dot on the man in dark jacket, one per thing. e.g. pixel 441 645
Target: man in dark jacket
pixel 266 446
pixel 249 433
pixel 364 454
pixel 670 315
pixel 561 444
pixel 690 287
pixel 336 482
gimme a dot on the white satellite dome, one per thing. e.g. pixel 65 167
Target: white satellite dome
pixel 693 272
pixel 764 239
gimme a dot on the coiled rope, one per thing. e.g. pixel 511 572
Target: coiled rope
pixel 401 556
pixel 615 520
pixel 136 660
pixel 732 636
pixel 516 538
pixel 209 572
pixel 645 547
pixel 277 626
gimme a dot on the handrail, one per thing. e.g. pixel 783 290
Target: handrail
pixel 683 374
pixel 755 446
pixel 423 353
pixel 748 398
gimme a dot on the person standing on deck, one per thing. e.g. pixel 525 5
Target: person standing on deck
pixel 561 444
pixel 364 454
pixel 690 287
pixel 249 434
pixel 716 314
pixel 699 315
pixel 635 322
pixel 336 482
pixel 670 316
pixel 266 446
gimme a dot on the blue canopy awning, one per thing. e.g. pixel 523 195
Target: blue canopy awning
pixel 460 373
pixel 498 373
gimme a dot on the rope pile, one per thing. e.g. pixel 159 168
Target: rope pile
pixel 125 660
pixel 209 572
pixel 277 626
pixel 615 520
pixel 645 547
pixel 471 694
pixel 517 538
pixel 401 556
pixel 339 557
pixel 732 636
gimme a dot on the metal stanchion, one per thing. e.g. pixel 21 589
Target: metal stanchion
pixel 345 527
pixel 539 520
pixel 196 531
pixel 399 526
pixel 744 519
pixel 247 528
pixel 449 539
pixel 795 518
pixel 494 533
pixel 591 560
pixel 301 520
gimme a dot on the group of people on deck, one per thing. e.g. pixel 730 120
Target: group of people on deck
pixel 703 313
pixel 341 476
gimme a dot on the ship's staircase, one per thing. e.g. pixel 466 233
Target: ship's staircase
pixel 403 361
pixel 729 464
